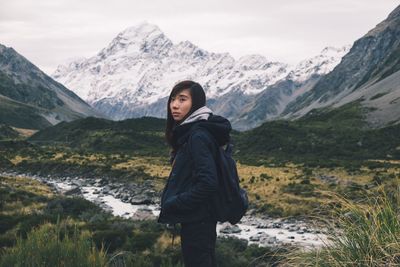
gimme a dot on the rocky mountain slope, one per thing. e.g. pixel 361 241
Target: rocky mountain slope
pixel 31 99
pixel 369 73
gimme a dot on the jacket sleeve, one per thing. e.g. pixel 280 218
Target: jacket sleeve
pixel 202 150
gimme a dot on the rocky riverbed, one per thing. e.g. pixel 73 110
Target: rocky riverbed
pixel 140 201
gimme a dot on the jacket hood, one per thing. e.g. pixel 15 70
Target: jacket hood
pixel 216 125
pixel 200 114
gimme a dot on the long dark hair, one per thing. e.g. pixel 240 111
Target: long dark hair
pixel 198 101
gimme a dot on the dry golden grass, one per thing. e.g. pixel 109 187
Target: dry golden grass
pixel 264 184
pixel 17 159
pixel 27 185
pixel 386 161
pixel 79 159
pixel 154 166
pixel 58 155
pixel 269 191
pixel 150 165
pixel 25 182
pixel 19 208
pixel 165 241
pixel 344 177
pixel 25 132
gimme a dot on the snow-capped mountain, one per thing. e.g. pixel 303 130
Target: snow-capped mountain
pixel 318 65
pixel 368 74
pixel 271 102
pixel 134 74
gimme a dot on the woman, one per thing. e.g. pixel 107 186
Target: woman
pixel 194 134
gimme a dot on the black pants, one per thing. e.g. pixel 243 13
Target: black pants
pixel 198 243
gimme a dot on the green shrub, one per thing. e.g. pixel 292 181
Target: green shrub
pixel 48 245
pixel 265 176
pixel 271 210
pixel 110 239
pixel 141 241
pixel 304 188
pixel 234 252
pixel 71 206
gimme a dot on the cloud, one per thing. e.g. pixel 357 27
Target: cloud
pixel 48 32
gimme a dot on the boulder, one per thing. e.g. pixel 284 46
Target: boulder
pixel 230 229
pixel 73 191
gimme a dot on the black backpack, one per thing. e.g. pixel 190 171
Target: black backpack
pixel 230 203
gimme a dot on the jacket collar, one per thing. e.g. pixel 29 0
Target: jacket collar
pixel 200 114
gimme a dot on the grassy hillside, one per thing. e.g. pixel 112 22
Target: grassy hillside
pixel 324 137
pixel 6 132
pixel 28 94
pixel 21 115
pixel 142 136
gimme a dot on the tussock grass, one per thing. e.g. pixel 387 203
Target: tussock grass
pixel 368 233
pixel 50 245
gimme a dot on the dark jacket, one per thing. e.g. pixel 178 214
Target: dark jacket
pixel 193 178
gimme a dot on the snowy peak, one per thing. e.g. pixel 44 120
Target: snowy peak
pixel 187 49
pixel 135 72
pixel 141 31
pixel 143 38
pixel 252 62
pixel 70 64
pixel 321 64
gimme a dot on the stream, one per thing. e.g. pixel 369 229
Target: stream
pixel 139 204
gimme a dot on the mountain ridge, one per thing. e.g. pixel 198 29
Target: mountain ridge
pixel 30 97
pixel 134 74
pixel 370 68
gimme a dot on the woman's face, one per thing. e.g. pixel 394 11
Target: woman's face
pixel 180 104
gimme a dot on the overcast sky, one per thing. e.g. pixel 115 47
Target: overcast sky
pixel 49 32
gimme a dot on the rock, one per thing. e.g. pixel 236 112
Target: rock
pixel 73 191
pixel 106 189
pixel 123 196
pixel 255 238
pixel 328 179
pixel 277 225
pixel 262 225
pixel 294 228
pixel 271 240
pixel 141 199
pixel 230 229
pixel 263 238
pixel 143 214
pixel 77 183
